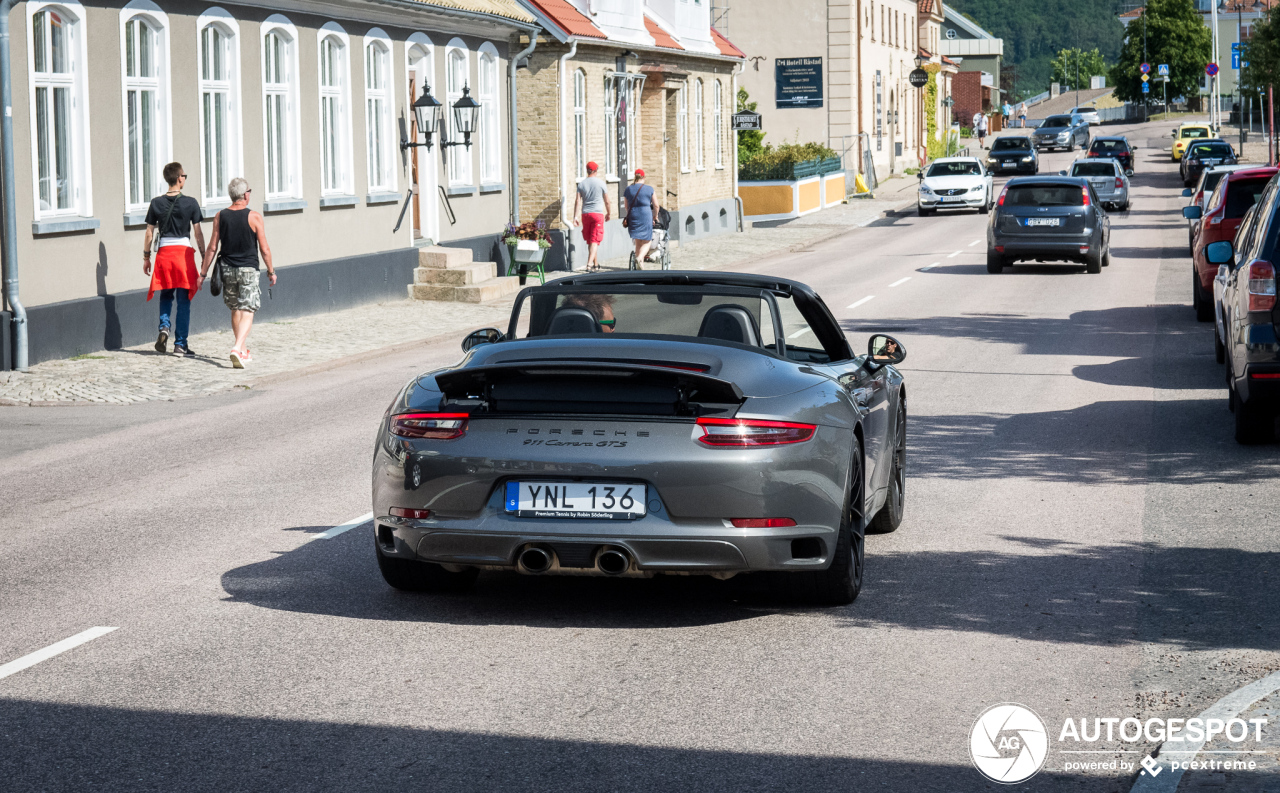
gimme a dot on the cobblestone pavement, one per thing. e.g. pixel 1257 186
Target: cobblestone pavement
pixel 140 374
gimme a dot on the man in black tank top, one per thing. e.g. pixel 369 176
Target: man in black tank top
pixel 239 236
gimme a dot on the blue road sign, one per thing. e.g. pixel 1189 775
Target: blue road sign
pixel 1146 88
pixel 1163 70
pixel 1235 60
pixel 1145 68
pixel 1235 47
pixel 1211 69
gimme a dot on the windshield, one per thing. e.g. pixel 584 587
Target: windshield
pixel 1045 195
pixel 1093 169
pixel 1116 146
pixel 1243 194
pixel 1057 121
pixel 954 169
pixel 1195 132
pixel 1211 150
pixel 1007 144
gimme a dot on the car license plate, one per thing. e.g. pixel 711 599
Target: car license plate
pixel 1008 165
pixel 1042 221
pixel 590 500
pixel 952 198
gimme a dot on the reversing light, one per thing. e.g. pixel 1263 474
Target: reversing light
pixel 1262 285
pixel 761 523
pixel 1084 191
pixel 432 426
pixel 415 514
pixel 752 432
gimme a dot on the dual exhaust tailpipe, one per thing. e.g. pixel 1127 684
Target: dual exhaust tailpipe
pixel 537 559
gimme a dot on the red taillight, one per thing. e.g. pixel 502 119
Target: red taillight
pixel 761 523
pixel 434 426
pixel 752 432
pixel 1262 285
pixel 1003 193
pixel 1256 376
pixel 416 514
pixel 1095 154
pixel 1084 192
pixel 999 249
pixel 1119 183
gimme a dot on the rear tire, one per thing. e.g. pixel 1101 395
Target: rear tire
pixel 889 518
pixel 1106 258
pixel 1203 307
pixel 985 209
pixel 1253 425
pixel 840 583
pixel 995 262
pixel 1092 263
pixel 410 575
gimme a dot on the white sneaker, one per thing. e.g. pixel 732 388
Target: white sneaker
pixel 237 359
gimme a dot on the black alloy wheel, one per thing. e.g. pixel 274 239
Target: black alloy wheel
pixel 889 518
pixel 411 575
pixel 841 582
pixel 1202 303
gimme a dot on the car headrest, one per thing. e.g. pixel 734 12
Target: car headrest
pixel 572 319
pixel 730 323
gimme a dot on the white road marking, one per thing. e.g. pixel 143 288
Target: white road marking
pixel 798 333
pixel 1227 708
pixel 348 526
pixel 930 267
pixel 57 648
pixel 860 302
pixel 899 282
pixel 975 242
pixel 953 255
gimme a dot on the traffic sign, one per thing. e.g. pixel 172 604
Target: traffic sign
pixel 1144 68
pixel 1211 69
pixel 1236 47
pixel 1163 70
pixel 1146 88
pixel 1235 60
pixel 1146 77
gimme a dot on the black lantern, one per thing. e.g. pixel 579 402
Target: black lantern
pixel 920 59
pixel 426 111
pixel 466 116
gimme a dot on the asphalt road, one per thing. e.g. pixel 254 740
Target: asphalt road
pixel 1082 536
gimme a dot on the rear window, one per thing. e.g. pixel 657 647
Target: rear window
pixel 1211 179
pixel 1045 195
pixel 1007 144
pixel 1195 132
pixel 1093 169
pixel 1243 194
pixel 1211 150
pixel 954 169
pixel 1057 121
pixel 1109 146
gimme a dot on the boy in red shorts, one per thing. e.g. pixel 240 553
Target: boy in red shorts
pixel 591 210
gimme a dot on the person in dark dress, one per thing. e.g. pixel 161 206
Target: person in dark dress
pixel 242 234
pixel 640 207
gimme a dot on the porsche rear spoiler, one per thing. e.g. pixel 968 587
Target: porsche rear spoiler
pixel 595 387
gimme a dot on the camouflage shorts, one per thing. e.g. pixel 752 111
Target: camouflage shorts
pixel 240 289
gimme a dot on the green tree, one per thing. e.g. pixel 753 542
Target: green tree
pixel 1262 53
pixel 750 142
pixel 1088 62
pixel 1175 35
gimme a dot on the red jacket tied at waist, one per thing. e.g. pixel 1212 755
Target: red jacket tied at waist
pixel 175 268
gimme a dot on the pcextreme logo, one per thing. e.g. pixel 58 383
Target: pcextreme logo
pixel 1008 743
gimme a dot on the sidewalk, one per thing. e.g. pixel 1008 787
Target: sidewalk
pixel 295 347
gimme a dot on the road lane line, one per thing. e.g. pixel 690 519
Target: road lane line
pixel 953 255
pixel 348 526
pixel 860 302
pixel 930 267
pixel 57 648
pixel 975 242
pixel 899 282
pixel 798 333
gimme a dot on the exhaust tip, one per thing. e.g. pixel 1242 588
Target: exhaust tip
pixel 613 561
pixel 535 560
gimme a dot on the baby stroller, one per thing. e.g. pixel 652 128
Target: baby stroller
pixel 659 248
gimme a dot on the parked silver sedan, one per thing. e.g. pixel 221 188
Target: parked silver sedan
pixel 1107 177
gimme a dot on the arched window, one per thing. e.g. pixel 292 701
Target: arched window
pixel 610 118
pixel 335 113
pixel 490 127
pixel 59 123
pixel 697 123
pixel 682 125
pixel 377 112
pixel 457 72
pixel 280 108
pixel 146 106
pixel 717 122
pixel 219 85
pixel 580 124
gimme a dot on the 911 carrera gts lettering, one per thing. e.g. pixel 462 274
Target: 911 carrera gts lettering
pixel 598 444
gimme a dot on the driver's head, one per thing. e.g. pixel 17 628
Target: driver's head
pixel 600 306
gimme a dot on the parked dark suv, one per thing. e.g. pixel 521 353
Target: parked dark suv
pixel 1048 218
pixel 1249 319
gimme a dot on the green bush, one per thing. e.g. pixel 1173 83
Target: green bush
pixel 790 153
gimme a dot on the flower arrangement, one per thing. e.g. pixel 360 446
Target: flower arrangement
pixel 537 231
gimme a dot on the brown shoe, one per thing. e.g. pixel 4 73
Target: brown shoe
pixel 162 341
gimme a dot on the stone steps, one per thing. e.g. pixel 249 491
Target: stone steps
pixel 448 274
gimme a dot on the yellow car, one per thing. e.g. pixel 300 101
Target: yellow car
pixel 1186 133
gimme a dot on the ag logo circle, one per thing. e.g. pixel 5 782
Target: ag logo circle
pixel 1008 743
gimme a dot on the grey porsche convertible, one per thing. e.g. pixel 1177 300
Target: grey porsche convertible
pixel 630 424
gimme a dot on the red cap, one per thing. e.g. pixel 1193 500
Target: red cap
pixel 591 166
pixel 639 173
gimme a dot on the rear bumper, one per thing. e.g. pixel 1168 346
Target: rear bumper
pixel 1265 392
pixel 1041 248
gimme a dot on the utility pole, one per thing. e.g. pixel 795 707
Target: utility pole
pixel 1077 71
pixel 1144 58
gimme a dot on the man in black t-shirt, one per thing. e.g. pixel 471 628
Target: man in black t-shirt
pixel 176 218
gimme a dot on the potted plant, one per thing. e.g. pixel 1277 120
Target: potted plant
pixel 528 243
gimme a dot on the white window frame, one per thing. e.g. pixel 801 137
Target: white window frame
pixel 422 71
pixel 610 165
pixel 682 125
pixel 340 95
pixel 699 150
pixel 376 40
pixel 461 173
pixel 213 192
pixel 290 148
pixel 147 13
pixel 633 125
pixel 717 122
pixel 579 124
pixel 81 171
pixel 489 96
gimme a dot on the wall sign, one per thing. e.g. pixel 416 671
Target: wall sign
pixel 798 82
pixel 746 120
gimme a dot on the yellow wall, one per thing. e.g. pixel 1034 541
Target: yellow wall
pixel 835 189
pixel 810 196
pixel 773 199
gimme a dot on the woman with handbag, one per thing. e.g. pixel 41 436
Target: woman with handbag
pixel 639 207
pixel 172 219
pixel 239 235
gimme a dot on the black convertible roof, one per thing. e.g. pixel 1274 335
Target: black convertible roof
pixel 680 278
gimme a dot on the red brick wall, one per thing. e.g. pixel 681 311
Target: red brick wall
pixel 966 89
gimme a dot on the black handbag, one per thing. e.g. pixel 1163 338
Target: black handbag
pixel 215 278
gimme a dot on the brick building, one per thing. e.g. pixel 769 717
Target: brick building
pixel 973 92
pixel 632 84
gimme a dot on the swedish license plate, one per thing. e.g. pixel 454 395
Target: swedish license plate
pixel 949 198
pixel 1008 165
pixel 1042 221
pixel 586 500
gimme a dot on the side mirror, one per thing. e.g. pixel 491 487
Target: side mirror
pixel 483 336
pixel 1192 212
pixel 1129 172
pixel 1062 173
pixel 1219 252
pixel 1186 192
pixel 920 175
pixel 882 349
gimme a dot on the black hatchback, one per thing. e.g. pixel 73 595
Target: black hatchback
pixel 1117 148
pixel 1048 218
pixel 1013 154
pixel 1205 154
